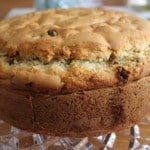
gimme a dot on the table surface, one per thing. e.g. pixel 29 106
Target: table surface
pixel 7 5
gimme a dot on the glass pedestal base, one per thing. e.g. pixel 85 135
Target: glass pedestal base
pixel 135 138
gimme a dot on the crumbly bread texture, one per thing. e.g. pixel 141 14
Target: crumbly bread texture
pixel 74 72
pixel 66 50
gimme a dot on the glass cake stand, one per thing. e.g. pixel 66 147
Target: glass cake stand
pixel 135 138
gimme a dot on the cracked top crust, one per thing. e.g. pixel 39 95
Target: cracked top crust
pixel 67 50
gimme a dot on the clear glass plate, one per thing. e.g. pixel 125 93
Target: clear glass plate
pixel 135 138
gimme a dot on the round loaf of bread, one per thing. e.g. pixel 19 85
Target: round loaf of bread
pixel 74 72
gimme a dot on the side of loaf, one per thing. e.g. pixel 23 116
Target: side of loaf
pixel 76 114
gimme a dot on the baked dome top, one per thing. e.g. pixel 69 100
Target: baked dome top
pixel 66 50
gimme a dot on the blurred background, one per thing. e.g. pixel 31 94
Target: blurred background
pixel 7 5
pixel 10 8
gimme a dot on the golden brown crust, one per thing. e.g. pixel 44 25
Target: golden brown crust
pixel 66 50
pixel 77 114
pixel 91 64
